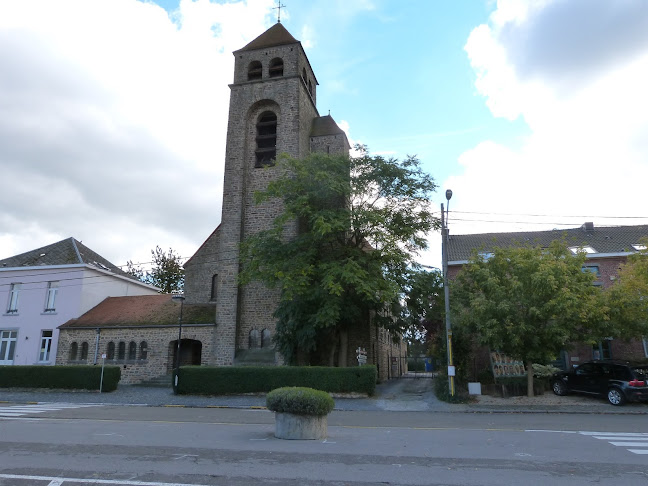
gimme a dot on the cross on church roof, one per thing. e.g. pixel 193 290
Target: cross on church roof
pixel 278 8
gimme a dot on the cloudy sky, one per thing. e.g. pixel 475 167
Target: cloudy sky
pixel 113 112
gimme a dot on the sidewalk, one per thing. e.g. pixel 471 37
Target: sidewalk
pixel 407 394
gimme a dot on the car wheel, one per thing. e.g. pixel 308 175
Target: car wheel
pixel 559 388
pixel 616 396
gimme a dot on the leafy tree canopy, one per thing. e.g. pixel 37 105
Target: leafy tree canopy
pixel 341 247
pixel 627 299
pixel 530 302
pixel 167 272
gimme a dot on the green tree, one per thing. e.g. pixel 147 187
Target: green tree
pixel 422 313
pixel 341 249
pixel 627 299
pixel 529 302
pixel 167 272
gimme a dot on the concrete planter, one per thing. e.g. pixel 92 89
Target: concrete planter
pixel 300 427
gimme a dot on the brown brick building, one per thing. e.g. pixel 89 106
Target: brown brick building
pixel 606 248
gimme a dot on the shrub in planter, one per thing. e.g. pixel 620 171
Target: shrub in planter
pixel 300 413
pixel 300 401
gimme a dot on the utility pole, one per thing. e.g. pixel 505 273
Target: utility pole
pixel 446 292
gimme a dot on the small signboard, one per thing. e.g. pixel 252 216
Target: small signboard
pixel 361 354
pixel 503 366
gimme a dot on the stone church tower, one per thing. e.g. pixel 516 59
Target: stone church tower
pixel 272 110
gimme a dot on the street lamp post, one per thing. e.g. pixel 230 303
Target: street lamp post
pixel 446 290
pixel 178 298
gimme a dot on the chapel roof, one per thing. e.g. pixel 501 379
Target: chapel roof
pixel 324 125
pixel 602 240
pixel 142 310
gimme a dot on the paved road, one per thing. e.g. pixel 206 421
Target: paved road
pixel 158 446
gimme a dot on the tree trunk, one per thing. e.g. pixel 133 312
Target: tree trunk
pixel 529 366
pixel 344 345
pixel 331 357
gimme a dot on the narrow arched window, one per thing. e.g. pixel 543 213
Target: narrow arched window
pixel 266 339
pixel 310 87
pixel 214 287
pixel 304 75
pixel 254 339
pixel 132 350
pixel 276 67
pixel 84 350
pixel 255 71
pixel 143 350
pixel 266 139
pixel 121 350
pixel 111 350
pixel 74 351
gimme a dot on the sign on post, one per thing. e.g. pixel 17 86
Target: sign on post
pixel 361 354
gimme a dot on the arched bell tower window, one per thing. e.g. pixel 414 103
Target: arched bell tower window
pixel 304 75
pixel 266 139
pixel 255 70
pixel 276 67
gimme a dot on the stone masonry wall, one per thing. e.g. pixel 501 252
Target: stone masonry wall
pixel 159 355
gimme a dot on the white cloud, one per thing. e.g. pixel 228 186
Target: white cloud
pixel 576 73
pixel 113 119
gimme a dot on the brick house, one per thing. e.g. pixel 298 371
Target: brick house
pixel 606 249
pixel 43 288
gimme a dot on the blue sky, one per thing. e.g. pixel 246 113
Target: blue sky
pixel 113 119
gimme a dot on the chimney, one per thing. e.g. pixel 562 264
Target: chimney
pixel 588 226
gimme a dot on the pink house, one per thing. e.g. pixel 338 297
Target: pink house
pixel 44 288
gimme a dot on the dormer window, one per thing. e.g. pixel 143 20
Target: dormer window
pixel 276 67
pixel 266 139
pixel 582 249
pixel 255 71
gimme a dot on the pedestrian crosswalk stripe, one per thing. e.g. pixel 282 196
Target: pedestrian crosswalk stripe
pixel 22 410
pixel 623 439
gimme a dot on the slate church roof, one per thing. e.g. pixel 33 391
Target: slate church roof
pixel 277 35
pixel 602 240
pixel 324 125
pixel 65 252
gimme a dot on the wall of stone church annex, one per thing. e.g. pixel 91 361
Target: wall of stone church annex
pixel 159 357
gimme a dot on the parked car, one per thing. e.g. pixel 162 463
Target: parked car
pixel 619 381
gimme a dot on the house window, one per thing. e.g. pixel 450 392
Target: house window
pixel 592 269
pixel 581 249
pixel 143 350
pixel 121 350
pixel 266 339
pixel 45 347
pixel 266 139
pixel 111 350
pixel 255 71
pixel 50 298
pixel 254 339
pixel 84 350
pixel 132 350
pixel 276 67
pixel 74 351
pixel 602 350
pixel 12 307
pixel 7 346
pixel 214 287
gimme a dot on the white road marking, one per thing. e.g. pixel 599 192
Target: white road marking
pixel 22 410
pixel 617 439
pixel 55 481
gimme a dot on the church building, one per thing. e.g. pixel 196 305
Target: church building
pixel 272 111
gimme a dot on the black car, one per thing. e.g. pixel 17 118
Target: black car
pixel 619 381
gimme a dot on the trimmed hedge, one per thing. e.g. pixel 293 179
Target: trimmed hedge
pixel 68 377
pixel 228 380
pixel 300 401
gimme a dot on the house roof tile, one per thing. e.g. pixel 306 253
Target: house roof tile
pixel 65 252
pixel 604 239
